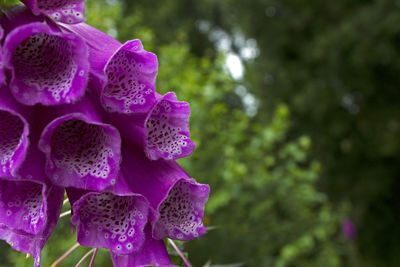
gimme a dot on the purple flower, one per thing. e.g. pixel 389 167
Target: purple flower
pixel 109 221
pixel 163 132
pixel 348 228
pixel 81 151
pixel 14 130
pixel 79 111
pixel 131 74
pixel 167 129
pixel 152 253
pixel 65 11
pixel 57 63
pixel 29 212
pixel 126 73
pixel 29 204
pixel 177 200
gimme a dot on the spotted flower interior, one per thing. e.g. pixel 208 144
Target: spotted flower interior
pixel 22 206
pixel 12 141
pixel 50 60
pixel 168 129
pixel 68 94
pixel 181 213
pixel 81 154
pixel 47 68
pixel 110 221
pixel 131 74
pixel 65 11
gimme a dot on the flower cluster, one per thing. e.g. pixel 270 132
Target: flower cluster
pixel 79 113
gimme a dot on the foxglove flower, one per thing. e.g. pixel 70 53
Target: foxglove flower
pixel 126 76
pixel 29 204
pixel 79 112
pixel 14 130
pixel 152 253
pixel 127 72
pixel 46 65
pixel 111 221
pixel 177 200
pixel 65 11
pixel 81 151
pixel 29 212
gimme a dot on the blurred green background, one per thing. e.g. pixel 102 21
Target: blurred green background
pixel 296 115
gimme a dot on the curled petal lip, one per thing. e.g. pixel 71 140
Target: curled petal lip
pixel 169 118
pixel 156 180
pixel 33 243
pixel 131 73
pixel 30 93
pixel 66 11
pixel 109 221
pixel 190 225
pixel 10 109
pixel 70 177
pixel 152 253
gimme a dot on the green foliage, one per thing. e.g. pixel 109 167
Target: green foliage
pixel 7 3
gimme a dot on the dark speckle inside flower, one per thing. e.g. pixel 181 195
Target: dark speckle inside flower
pixel 177 213
pixel 81 147
pixel 116 220
pixel 11 130
pixel 45 61
pixel 163 138
pixel 53 5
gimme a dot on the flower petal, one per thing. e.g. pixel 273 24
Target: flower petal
pixel 41 204
pixel 1 58
pixel 110 221
pixel 14 131
pixel 181 213
pixel 177 199
pixel 152 253
pixel 65 11
pixel 47 66
pixel 167 129
pixel 80 152
pixel 101 48
pixel 22 205
pixel 163 132
pixel 131 73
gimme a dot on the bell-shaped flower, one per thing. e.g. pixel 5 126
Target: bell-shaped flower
pixel 29 205
pixel 81 151
pixel 14 131
pixel 29 211
pixel 65 11
pixel 163 132
pixel 47 66
pixel 107 220
pixel 152 253
pixel 177 199
pixel 125 73
pixel 166 132
pixel 131 74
